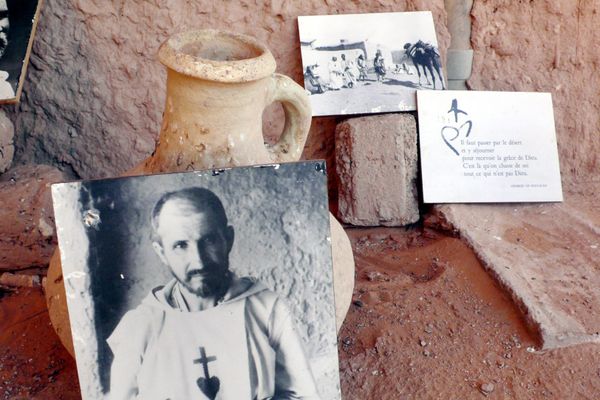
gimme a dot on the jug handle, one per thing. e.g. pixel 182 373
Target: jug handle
pixel 298 116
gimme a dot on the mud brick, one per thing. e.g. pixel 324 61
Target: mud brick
pixel 376 160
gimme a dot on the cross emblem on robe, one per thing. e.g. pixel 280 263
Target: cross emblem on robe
pixel 209 385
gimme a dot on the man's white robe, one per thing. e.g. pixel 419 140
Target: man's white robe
pixel 248 339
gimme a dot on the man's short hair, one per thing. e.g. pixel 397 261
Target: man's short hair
pixel 202 199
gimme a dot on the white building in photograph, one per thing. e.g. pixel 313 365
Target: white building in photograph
pixel 320 52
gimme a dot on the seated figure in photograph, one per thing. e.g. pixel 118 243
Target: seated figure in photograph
pixel 206 334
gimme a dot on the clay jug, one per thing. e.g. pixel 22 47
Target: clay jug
pixel 218 85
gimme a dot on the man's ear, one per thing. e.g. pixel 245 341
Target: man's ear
pixel 160 251
pixel 229 237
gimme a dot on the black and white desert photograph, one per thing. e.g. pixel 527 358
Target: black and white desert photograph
pixel 369 63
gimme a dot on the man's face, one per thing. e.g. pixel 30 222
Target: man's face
pixel 194 246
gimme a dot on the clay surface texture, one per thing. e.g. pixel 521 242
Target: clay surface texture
pixel 26 217
pixel 546 46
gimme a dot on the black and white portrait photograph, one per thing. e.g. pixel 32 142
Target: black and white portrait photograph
pixel 18 21
pixel 369 63
pixel 203 285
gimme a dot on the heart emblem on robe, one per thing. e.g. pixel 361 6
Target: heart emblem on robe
pixel 210 387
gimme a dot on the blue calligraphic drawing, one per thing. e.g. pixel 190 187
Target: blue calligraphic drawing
pixel 451 133
pixel 455 110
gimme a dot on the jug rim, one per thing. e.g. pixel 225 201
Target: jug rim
pixel 257 62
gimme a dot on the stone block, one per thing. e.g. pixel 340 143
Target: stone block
pixel 18 280
pixel 27 234
pixel 7 150
pixel 376 160
pixel 545 256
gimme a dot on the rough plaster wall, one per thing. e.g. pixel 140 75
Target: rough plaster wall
pixel 95 92
pixel 281 223
pixel 551 46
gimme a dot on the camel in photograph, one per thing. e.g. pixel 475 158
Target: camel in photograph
pixel 426 56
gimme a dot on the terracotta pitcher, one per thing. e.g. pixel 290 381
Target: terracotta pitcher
pixel 218 85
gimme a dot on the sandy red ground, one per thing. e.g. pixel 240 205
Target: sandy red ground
pixel 426 323
pixel 33 362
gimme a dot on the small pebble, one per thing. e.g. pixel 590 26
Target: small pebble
pixel 487 388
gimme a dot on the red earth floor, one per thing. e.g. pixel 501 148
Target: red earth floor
pixel 426 322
